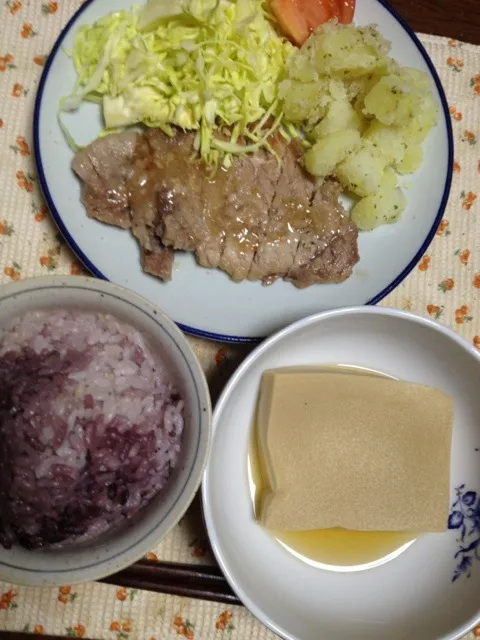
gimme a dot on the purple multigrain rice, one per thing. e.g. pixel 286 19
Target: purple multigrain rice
pixel 90 426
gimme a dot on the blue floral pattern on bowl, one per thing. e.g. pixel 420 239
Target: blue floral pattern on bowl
pixel 465 516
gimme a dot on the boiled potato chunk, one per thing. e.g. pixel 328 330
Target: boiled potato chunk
pixel 337 90
pixel 389 140
pixel 389 102
pixel 377 43
pixel 362 172
pixel 412 160
pixel 364 115
pixel 415 78
pixel 423 121
pixel 383 207
pixel 300 66
pixel 359 87
pixel 390 178
pixel 301 99
pixel 347 51
pixel 325 154
pixel 340 116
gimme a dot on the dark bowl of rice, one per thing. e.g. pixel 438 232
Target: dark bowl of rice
pixel 104 429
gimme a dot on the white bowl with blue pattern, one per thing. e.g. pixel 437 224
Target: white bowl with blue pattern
pixel 431 590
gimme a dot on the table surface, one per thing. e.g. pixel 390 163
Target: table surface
pixel 449 18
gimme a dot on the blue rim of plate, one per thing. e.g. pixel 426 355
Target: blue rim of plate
pixel 200 332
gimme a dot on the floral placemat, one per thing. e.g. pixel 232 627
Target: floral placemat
pixel 445 285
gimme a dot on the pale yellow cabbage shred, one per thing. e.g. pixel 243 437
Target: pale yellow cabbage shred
pixel 197 64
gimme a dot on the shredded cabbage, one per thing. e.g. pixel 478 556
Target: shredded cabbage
pixel 197 64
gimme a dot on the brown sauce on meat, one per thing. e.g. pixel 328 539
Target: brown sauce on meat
pixel 259 219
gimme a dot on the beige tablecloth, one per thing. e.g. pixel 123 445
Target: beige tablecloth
pixel 445 285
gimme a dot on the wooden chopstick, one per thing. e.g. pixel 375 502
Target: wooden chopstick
pixel 187 580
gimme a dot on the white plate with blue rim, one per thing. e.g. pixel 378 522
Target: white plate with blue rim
pixel 425 588
pixel 206 302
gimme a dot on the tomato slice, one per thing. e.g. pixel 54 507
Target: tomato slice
pixel 316 12
pixel 291 21
pixel 334 6
pixel 298 18
pixel 347 10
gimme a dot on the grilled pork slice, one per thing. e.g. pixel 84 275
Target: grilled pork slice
pixel 252 182
pixel 328 248
pixel 106 168
pixel 220 217
pixel 103 167
pixel 276 249
pixel 261 219
pixel 147 213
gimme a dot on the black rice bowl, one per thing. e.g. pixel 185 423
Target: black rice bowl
pixel 90 426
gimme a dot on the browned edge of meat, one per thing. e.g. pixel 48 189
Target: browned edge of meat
pixel 147 211
pixel 103 167
pixel 328 247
